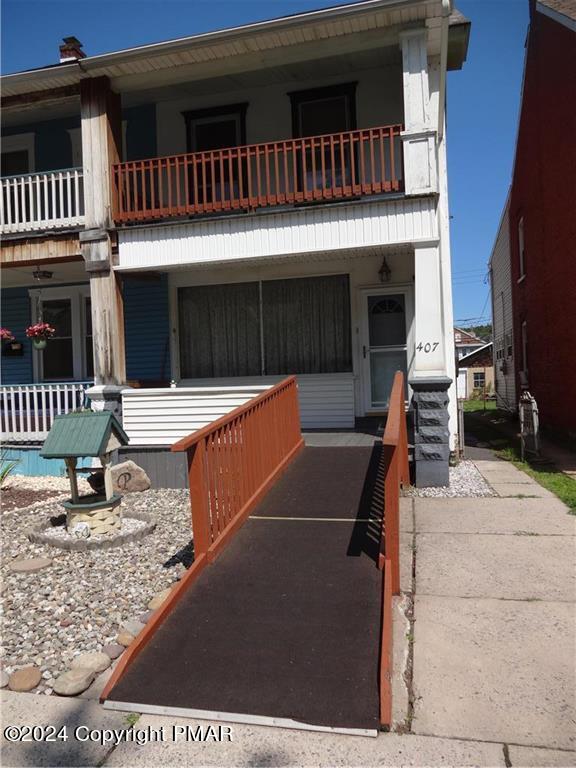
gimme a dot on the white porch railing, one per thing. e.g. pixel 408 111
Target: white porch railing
pixel 28 410
pixel 39 201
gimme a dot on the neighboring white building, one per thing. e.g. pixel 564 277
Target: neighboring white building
pixel 502 316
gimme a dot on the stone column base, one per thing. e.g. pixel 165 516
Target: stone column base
pixel 431 434
pixel 107 397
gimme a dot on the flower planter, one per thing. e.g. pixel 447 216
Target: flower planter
pixel 39 343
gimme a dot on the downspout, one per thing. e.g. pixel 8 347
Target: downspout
pixel 446 11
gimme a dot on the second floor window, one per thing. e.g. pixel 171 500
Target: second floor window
pixel 521 247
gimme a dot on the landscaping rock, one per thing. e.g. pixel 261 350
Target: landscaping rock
pixel 32 565
pixel 158 599
pixel 113 650
pixel 73 682
pixel 128 477
pixel 93 660
pixel 145 617
pixel 132 627
pixel 4 678
pixel 24 679
pixel 124 638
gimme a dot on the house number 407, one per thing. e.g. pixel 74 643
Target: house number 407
pixel 429 346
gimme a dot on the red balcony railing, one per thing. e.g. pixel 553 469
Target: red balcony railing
pixel 307 170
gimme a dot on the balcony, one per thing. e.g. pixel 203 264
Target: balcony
pixel 42 201
pixel 300 171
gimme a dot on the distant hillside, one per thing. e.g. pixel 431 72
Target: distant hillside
pixel 483 332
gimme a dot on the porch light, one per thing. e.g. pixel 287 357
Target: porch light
pixel 42 274
pixel 385 272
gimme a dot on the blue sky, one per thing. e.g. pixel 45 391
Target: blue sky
pixel 483 97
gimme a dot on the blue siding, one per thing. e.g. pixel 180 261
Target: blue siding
pixel 52 143
pixel 31 464
pixel 147 328
pixel 16 317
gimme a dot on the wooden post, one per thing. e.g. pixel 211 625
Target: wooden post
pixel 108 484
pixel 101 144
pixel 71 468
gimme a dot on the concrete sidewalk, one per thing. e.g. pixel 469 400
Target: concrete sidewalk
pixel 494 619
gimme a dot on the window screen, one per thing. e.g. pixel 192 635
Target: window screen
pixel 307 325
pixel 219 330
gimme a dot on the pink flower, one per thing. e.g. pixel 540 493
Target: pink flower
pixel 6 335
pixel 40 331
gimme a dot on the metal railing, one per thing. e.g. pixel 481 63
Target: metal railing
pixel 311 169
pixel 27 411
pixel 396 474
pixel 42 201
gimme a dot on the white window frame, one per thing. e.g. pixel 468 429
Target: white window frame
pixel 77 295
pixel 521 249
pixel 18 142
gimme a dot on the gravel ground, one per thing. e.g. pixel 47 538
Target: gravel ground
pixel 465 480
pixel 80 602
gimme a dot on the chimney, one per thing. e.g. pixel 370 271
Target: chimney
pixel 71 50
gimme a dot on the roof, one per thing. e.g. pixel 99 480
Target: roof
pixel 248 40
pixel 467 337
pixel 563 11
pixel 471 357
pixel 85 433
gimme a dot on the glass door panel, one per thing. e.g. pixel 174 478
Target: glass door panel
pixel 386 349
pixel 57 358
pixel 383 366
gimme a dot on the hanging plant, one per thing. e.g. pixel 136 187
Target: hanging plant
pixel 40 333
pixel 6 335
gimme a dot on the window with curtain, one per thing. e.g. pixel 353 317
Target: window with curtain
pixel 307 325
pixel 220 330
pixel 299 325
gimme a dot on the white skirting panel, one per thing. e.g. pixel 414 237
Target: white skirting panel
pixel 318 229
pixel 163 416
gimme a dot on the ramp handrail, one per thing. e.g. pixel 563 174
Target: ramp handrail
pixel 233 461
pixel 395 455
pixel 231 464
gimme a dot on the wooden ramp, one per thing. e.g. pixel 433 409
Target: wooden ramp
pixel 289 624
pixel 285 625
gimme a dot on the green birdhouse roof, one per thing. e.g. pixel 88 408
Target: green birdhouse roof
pixel 83 434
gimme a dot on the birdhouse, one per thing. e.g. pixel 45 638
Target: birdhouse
pixel 89 434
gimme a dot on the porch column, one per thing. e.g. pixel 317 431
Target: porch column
pixel 101 146
pixel 429 381
pixel 419 136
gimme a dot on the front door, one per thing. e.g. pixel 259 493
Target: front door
pixel 384 348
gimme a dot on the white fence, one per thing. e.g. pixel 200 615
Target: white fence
pixel 40 201
pixel 28 410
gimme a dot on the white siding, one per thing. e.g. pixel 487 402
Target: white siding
pixel 163 416
pixel 502 317
pixel 330 228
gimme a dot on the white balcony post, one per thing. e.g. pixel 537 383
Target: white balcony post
pixel 419 136
pixel 430 355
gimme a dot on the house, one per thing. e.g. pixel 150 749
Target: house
pixel 476 373
pixel 502 316
pixel 239 205
pixel 533 263
pixel 465 342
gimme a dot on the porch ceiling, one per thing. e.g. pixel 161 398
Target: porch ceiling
pixel 346 254
pixel 62 272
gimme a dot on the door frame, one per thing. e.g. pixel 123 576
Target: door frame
pixel 382 289
pixel 77 295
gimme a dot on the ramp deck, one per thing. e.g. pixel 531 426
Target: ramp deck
pixel 285 625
